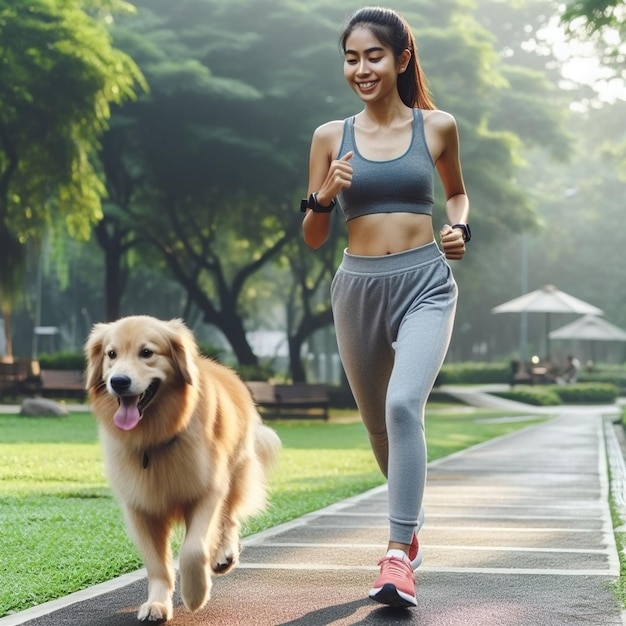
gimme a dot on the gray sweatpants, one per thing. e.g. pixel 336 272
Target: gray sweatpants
pixel 393 318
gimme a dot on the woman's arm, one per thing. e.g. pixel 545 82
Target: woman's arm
pixel 327 177
pixel 457 202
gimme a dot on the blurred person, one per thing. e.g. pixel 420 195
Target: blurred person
pixel 572 368
pixel 393 296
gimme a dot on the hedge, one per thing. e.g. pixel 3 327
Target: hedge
pixel 474 373
pixel 551 395
pixel 536 396
pixel 587 393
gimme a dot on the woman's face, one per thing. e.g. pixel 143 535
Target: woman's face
pixel 369 66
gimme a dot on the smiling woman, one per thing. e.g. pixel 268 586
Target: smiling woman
pixel 393 296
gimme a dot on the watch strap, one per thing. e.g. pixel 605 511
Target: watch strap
pixel 467 233
pixel 312 203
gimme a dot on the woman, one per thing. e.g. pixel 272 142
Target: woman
pixel 393 296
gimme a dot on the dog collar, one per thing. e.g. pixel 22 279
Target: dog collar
pixel 145 459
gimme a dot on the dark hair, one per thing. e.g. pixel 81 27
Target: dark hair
pixel 393 31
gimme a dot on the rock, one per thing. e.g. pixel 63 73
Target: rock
pixel 42 407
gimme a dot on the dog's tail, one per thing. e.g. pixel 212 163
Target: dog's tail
pixel 267 445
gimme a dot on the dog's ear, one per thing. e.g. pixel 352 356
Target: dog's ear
pixel 184 350
pixel 94 354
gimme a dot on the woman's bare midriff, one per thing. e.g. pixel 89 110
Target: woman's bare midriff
pixel 388 233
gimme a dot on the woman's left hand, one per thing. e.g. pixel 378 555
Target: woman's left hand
pixel 452 242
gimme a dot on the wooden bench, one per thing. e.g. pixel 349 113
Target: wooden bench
pixel 263 393
pixel 19 377
pixel 62 383
pixel 9 380
pixel 283 400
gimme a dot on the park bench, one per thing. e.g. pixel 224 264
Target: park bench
pixel 290 400
pixel 18 377
pixel 62 383
pixel 529 374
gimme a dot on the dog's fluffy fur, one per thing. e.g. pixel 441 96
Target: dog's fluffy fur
pixel 183 442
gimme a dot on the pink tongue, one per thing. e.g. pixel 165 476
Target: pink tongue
pixel 127 415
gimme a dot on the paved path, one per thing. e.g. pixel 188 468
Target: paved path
pixel 517 533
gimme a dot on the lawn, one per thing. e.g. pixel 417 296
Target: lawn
pixel 61 530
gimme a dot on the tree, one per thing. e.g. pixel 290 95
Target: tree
pixel 604 23
pixel 60 74
pixel 597 15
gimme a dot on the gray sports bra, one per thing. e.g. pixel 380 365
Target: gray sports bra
pixel 401 185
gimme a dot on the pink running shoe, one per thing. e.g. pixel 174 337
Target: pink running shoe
pixel 395 585
pixel 415 551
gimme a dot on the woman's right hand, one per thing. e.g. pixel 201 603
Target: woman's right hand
pixel 327 177
pixel 339 177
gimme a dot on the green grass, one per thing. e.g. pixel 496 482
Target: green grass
pixel 61 530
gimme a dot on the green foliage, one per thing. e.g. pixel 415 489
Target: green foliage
pixel 473 373
pixel 548 395
pixel 536 396
pixel 586 393
pixel 596 14
pixel 210 351
pixel 62 361
pixel 259 371
pixel 617 379
pixel 60 75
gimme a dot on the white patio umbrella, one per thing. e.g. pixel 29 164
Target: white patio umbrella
pixel 547 300
pixel 590 328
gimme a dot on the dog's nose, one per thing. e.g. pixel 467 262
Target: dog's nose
pixel 120 383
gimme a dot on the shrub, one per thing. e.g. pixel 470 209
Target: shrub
pixel 62 361
pixel 611 377
pixel 537 396
pixel 474 373
pixel 587 393
pixel 254 372
pixel 210 351
pixel 551 395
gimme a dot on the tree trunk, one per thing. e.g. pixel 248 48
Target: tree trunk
pixel 6 315
pixel 114 250
pixel 232 326
pixel 298 373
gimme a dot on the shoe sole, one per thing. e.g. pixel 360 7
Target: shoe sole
pixel 389 595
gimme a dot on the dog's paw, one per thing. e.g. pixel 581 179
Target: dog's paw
pixel 225 559
pixel 155 612
pixel 195 583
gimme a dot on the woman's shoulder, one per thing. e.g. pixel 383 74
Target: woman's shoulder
pixel 328 136
pixel 329 129
pixel 439 119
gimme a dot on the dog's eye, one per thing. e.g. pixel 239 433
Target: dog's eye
pixel 146 353
pixel 111 354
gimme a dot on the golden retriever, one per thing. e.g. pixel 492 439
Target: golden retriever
pixel 182 442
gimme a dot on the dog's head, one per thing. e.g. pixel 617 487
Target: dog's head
pixel 133 358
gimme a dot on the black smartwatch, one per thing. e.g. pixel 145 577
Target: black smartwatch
pixel 315 206
pixel 467 233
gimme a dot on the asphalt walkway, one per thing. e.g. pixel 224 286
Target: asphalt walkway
pixel 518 533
